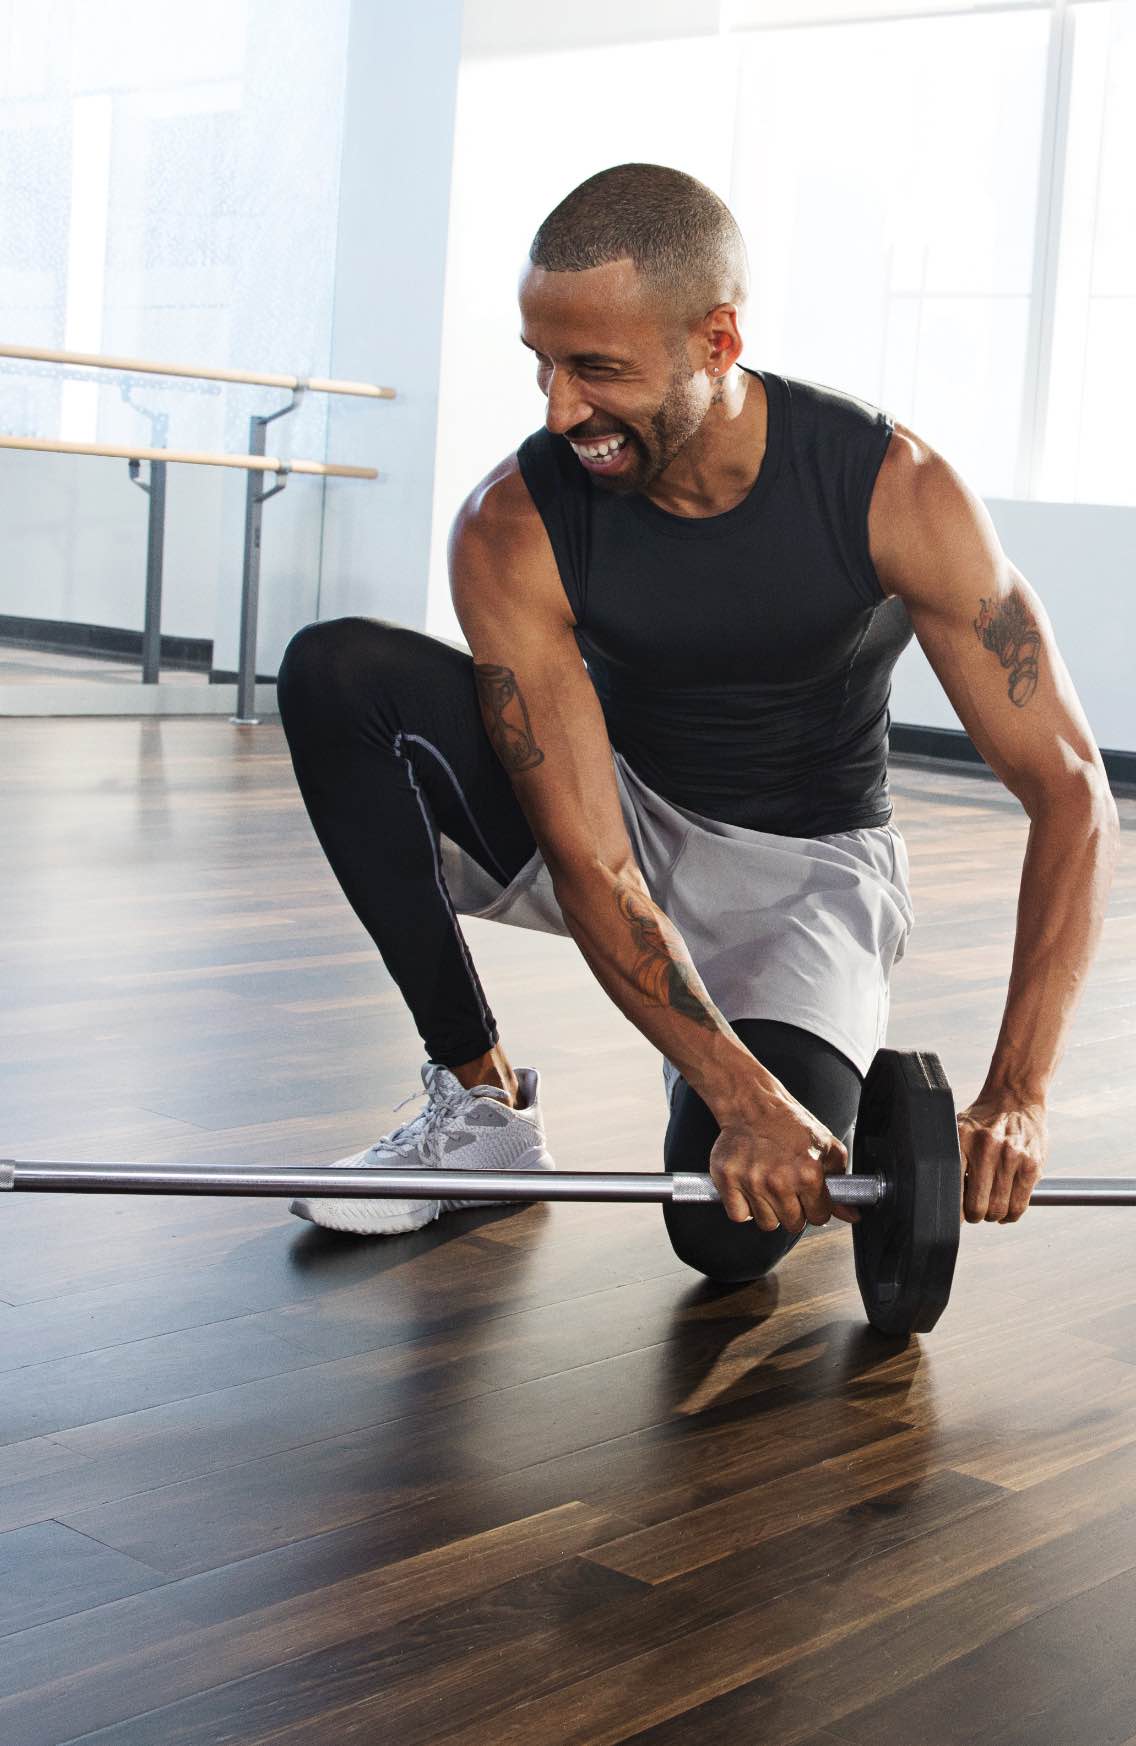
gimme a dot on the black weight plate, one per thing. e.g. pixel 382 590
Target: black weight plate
pixel 906 1247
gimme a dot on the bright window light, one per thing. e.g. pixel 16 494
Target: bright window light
pixel 86 258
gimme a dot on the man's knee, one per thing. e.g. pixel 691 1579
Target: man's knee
pixel 814 1072
pixel 725 1252
pixel 333 656
pixel 351 676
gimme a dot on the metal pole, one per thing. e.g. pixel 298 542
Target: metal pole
pixel 155 490
pixel 250 586
pixel 255 499
pixel 359 1183
pixel 155 545
pixel 155 533
pixel 355 1183
pixel 1086 1191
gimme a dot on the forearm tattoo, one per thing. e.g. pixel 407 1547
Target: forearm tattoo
pixel 656 975
pixel 511 735
pixel 1010 633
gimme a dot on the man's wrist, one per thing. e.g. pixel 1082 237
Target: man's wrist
pixel 1016 1088
pixel 743 1096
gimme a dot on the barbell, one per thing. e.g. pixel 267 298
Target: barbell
pixel 906 1177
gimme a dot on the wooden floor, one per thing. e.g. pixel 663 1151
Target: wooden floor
pixel 519 1479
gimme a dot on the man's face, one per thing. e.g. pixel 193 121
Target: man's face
pixel 614 370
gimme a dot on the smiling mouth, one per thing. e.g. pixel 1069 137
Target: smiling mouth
pixel 601 456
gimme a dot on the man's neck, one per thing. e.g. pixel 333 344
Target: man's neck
pixel 720 464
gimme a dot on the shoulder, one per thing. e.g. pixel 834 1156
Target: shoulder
pixel 902 473
pixel 499 514
pixel 521 490
pixel 924 519
pixel 499 542
pixel 498 501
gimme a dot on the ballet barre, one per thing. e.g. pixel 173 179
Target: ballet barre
pixel 255 462
pixel 194 457
pixel 248 378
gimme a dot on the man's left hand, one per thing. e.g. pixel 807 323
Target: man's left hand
pixel 1003 1153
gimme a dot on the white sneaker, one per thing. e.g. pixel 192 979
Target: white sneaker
pixel 459 1129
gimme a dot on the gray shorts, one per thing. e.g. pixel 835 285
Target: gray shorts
pixel 800 929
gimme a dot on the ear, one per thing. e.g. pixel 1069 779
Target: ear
pixel 720 338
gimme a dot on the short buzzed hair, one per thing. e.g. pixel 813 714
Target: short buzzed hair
pixel 681 237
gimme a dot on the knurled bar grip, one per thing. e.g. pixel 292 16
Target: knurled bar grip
pixel 357 1183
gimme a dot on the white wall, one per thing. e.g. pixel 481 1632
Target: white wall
pixel 389 279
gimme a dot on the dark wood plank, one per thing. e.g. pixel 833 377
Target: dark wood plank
pixel 1068 1674
pixel 780 1667
pixel 902 1671
pixel 364 1630
pixel 49 1571
pixel 567 1632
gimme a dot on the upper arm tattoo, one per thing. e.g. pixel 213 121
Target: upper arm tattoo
pixel 657 974
pixel 1011 634
pixel 512 736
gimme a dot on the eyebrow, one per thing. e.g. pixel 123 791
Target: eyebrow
pixel 583 357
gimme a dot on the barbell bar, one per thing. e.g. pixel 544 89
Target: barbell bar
pixel 906 1175
pixel 683 1187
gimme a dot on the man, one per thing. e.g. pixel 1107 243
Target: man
pixel 703 806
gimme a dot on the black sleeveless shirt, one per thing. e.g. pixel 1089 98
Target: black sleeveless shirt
pixel 742 661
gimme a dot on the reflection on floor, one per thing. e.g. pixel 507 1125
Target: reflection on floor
pixel 23 666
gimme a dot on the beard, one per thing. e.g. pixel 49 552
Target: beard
pixel 669 428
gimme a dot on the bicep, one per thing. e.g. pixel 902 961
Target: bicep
pixel 538 704
pixel 545 723
pixel 989 639
pixel 996 657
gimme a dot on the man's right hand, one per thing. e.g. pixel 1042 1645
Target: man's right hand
pixel 771 1167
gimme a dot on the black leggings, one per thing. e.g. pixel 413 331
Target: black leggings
pixel 389 749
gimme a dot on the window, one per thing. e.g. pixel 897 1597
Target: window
pixel 885 176
pixel 1088 453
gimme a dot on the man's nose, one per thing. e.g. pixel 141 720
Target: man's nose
pixel 567 406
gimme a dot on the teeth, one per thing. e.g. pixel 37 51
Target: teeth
pixel 599 451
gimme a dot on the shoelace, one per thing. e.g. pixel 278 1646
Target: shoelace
pixel 423 1132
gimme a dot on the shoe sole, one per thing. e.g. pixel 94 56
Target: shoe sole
pixel 379 1218
pixel 362 1218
